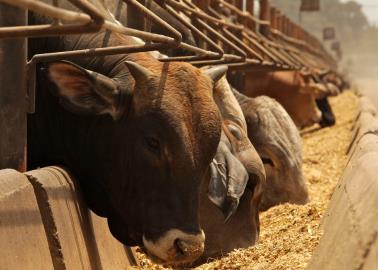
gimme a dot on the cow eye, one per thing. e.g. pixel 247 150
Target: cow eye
pixel 235 132
pixel 153 144
pixel 267 161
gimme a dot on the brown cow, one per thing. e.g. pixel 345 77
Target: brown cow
pixel 138 134
pixel 295 91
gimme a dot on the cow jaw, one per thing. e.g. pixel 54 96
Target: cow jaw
pixel 176 247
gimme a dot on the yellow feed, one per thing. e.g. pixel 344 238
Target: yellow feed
pixel 290 233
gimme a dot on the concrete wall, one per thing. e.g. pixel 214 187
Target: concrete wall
pixel 350 239
pixel 44 224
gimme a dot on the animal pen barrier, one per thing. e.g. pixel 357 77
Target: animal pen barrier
pixel 269 42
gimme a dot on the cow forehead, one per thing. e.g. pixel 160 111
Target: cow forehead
pixel 182 89
pixel 188 79
pixel 182 97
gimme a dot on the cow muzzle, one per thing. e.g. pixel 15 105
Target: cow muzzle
pixel 176 247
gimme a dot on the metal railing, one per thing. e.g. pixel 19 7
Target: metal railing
pixel 269 41
pixel 226 32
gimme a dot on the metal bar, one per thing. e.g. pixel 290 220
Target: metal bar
pixel 48 10
pixel 195 30
pixel 134 18
pixel 264 16
pixel 246 15
pixel 222 38
pixel 250 11
pixel 262 48
pixel 222 61
pixel 152 16
pixel 256 67
pixel 86 24
pixel 12 93
pixel 244 46
pixel 201 14
pixel 88 8
pixel 249 39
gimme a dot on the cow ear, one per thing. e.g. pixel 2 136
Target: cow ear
pixel 228 181
pixel 324 72
pixel 305 73
pixel 320 90
pixel 82 91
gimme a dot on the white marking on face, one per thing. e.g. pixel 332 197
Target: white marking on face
pixel 191 246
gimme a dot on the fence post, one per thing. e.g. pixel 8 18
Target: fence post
pixel 135 19
pixel 265 16
pixel 251 9
pixel 13 102
pixel 273 18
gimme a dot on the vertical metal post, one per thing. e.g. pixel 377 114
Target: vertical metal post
pixel 264 15
pixel 290 28
pixel 279 20
pixel 13 103
pixel 239 4
pixel 273 18
pixel 250 8
pixel 286 26
pixel 203 5
pixel 134 18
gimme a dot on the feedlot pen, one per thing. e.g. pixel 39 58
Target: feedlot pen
pixel 290 233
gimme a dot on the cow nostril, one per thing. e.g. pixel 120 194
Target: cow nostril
pixel 180 246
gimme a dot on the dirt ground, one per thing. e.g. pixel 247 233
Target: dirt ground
pixel 290 233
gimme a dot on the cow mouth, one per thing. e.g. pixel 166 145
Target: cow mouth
pixel 174 264
pixel 175 248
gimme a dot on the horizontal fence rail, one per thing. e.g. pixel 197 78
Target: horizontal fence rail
pixel 225 32
pixel 237 38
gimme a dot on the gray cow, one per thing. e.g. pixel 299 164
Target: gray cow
pixel 236 183
pixel 277 140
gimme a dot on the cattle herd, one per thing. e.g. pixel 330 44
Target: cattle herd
pixel 177 158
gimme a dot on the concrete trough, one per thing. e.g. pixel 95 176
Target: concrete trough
pixel 46 225
pixel 81 240
pixel 350 225
pixel 23 241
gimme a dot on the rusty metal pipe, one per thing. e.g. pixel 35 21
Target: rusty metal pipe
pixel 13 99
pixel 201 14
pixel 152 16
pixel 264 16
pixel 195 30
pixel 246 15
pixel 221 37
pixel 86 24
pixel 88 8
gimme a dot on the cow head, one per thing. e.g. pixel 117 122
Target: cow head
pixel 310 86
pixel 165 132
pixel 241 230
pixel 236 183
pixel 277 141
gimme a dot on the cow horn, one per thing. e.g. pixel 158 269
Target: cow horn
pixel 215 73
pixel 137 71
pixel 324 72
